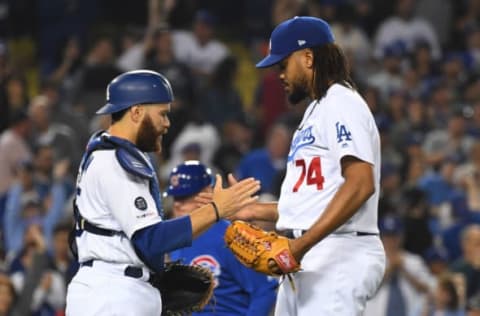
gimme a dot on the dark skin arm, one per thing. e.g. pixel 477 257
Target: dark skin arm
pixel 359 185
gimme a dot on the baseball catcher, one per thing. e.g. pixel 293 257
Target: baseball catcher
pixel 265 252
pixel 184 288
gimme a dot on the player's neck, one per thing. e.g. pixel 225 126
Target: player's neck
pixel 120 130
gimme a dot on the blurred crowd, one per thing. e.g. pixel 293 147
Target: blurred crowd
pixel 417 64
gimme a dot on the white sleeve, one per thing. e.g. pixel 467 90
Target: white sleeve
pixel 350 129
pixel 127 197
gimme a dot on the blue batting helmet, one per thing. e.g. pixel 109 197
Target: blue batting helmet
pixel 189 178
pixel 136 87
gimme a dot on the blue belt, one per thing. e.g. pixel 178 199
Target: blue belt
pixel 130 271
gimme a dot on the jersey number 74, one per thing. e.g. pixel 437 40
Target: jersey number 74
pixel 313 173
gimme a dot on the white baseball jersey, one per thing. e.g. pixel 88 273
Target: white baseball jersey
pixel 112 198
pixel 338 125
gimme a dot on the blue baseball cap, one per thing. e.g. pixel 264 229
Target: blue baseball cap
pixel 189 178
pixel 294 34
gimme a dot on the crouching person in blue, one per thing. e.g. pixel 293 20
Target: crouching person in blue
pixel 238 290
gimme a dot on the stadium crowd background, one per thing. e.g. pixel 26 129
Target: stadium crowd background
pixel 417 63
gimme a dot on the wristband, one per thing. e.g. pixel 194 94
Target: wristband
pixel 215 208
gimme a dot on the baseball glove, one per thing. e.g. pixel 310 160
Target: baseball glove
pixel 255 248
pixel 183 288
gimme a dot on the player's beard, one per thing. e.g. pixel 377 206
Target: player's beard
pixel 299 91
pixel 148 136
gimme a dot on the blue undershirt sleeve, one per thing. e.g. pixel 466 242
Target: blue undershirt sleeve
pixel 151 243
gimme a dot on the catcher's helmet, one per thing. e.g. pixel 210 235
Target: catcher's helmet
pixel 136 87
pixel 188 178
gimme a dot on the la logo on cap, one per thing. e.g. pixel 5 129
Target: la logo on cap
pixel 301 42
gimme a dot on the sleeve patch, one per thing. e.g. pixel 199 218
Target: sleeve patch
pixel 141 203
pixel 343 134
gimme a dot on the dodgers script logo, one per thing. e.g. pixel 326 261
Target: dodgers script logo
pixel 302 138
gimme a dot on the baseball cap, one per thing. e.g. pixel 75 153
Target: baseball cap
pixel 294 34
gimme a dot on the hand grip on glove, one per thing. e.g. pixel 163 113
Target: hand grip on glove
pixel 256 248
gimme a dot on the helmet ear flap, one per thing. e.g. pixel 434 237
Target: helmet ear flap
pixel 189 178
pixel 136 87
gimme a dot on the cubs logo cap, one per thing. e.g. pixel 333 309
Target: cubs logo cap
pixel 294 34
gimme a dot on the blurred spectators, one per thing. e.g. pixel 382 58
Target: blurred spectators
pixel 221 102
pixel 417 64
pixel 265 163
pixel 407 279
pixel 199 48
pixel 406 27
pixel 469 264
pixel 13 148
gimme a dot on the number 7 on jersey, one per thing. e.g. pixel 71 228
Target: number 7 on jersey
pixel 313 173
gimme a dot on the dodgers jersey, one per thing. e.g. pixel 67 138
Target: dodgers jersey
pixel 110 197
pixel 335 126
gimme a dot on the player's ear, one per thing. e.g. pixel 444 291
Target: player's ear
pixel 308 58
pixel 136 113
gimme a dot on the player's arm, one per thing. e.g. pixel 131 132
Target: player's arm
pixel 359 185
pixel 255 211
pixel 153 241
pixel 258 211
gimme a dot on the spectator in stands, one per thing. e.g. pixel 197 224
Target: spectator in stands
pixel 61 137
pixel 13 149
pixel 467 176
pixel 97 71
pixel 199 48
pixel 437 260
pixel 221 101
pixel 469 263
pixel 42 289
pixel 161 58
pixel 237 138
pixel 20 213
pixel 7 295
pixel 473 306
pixel 264 163
pixel 453 142
pixel 16 93
pixel 407 279
pixel 62 259
pixel 389 79
pixel 406 27
pixel 445 299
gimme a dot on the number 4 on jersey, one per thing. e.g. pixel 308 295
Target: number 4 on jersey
pixel 313 173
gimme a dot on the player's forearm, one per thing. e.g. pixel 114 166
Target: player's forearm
pixel 203 218
pixel 265 211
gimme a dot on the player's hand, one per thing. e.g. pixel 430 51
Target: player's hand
pixel 246 213
pixel 203 198
pixel 296 252
pixel 232 199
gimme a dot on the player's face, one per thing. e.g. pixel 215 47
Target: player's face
pixel 154 124
pixel 185 205
pixel 293 78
